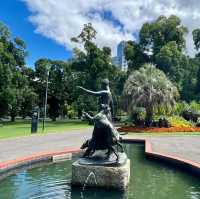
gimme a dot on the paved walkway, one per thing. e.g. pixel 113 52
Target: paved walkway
pixel 183 147
pixel 25 146
pixel 186 147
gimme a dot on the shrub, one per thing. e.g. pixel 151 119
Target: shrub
pixel 149 87
pixel 177 121
pixel 161 122
pixel 198 122
pixel 138 116
pixel 192 112
pixel 180 107
pixel 195 106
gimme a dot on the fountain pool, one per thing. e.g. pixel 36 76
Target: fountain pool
pixel 149 180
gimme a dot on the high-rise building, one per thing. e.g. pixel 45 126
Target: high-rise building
pixel 120 60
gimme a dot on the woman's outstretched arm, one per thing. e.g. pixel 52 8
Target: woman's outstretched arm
pixel 97 93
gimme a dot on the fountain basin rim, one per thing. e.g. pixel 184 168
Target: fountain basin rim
pixel 189 165
pixel 47 156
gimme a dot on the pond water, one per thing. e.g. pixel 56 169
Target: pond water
pixel 149 180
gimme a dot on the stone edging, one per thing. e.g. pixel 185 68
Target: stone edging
pixel 177 161
pixel 45 156
pixel 48 156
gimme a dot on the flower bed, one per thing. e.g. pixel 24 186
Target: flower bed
pixel 156 129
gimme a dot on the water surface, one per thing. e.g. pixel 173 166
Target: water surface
pixel 149 180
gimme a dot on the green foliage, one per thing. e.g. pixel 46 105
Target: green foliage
pixel 198 122
pixel 71 112
pixel 177 121
pixel 157 34
pixel 87 34
pixel 189 111
pixel 189 87
pixel 91 66
pixel 172 62
pixel 137 114
pixel 134 55
pixel 195 106
pixel 60 84
pixel 14 84
pixel 196 38
pixel 4 31
pixel 179 108
pixel 161 42
pixel 148 87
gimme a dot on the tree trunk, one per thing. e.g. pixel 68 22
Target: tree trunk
pixel 53 119
pixel 149 116
pixel 12 118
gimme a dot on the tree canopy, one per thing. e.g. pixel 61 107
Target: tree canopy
pixel 161 42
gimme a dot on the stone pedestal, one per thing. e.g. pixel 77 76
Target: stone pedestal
pixel 107 176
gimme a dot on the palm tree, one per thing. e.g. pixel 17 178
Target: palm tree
pixel 148 87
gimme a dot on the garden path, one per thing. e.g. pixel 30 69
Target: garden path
pixel 186 147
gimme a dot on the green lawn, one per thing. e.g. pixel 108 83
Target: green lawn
pixel 23 128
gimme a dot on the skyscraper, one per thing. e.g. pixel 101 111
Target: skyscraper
pixel 120 60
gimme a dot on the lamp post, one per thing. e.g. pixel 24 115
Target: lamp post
pixel 45 101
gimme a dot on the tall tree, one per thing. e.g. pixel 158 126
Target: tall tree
pixel 154 35
pixel 91 64
pixel 13 81
pixel 173 62
pixel 60 84
pixel 196 38
pixel 135 55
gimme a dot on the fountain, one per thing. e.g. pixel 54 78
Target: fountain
pixel 102 156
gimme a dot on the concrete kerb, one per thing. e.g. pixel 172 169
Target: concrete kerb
pixel 9 167
pixel 164 157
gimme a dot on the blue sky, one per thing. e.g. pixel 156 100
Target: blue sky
pixel 48 25
pixel 14 14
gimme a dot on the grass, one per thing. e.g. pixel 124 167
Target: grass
pixel 23 128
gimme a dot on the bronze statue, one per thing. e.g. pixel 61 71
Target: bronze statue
pixel 104 136
pixel 105 97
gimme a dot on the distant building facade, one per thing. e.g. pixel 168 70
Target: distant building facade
pixel 120 60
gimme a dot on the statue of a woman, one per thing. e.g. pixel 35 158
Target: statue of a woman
pixel 105 97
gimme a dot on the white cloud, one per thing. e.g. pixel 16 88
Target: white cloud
pixel 62 19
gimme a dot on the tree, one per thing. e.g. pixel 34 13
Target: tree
pixel 153 36
pixel 134 55
pixel 86 36
pixel 196 38
pixel 173 62
pixel 189 88
pixel 161 42
pixel 90 66
pixel 60 84
pixel 13 81
pixel 148 87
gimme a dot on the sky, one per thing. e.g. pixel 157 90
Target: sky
pixel 48 25
pixel 15 14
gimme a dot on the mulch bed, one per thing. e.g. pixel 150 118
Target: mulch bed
pixel 157 129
